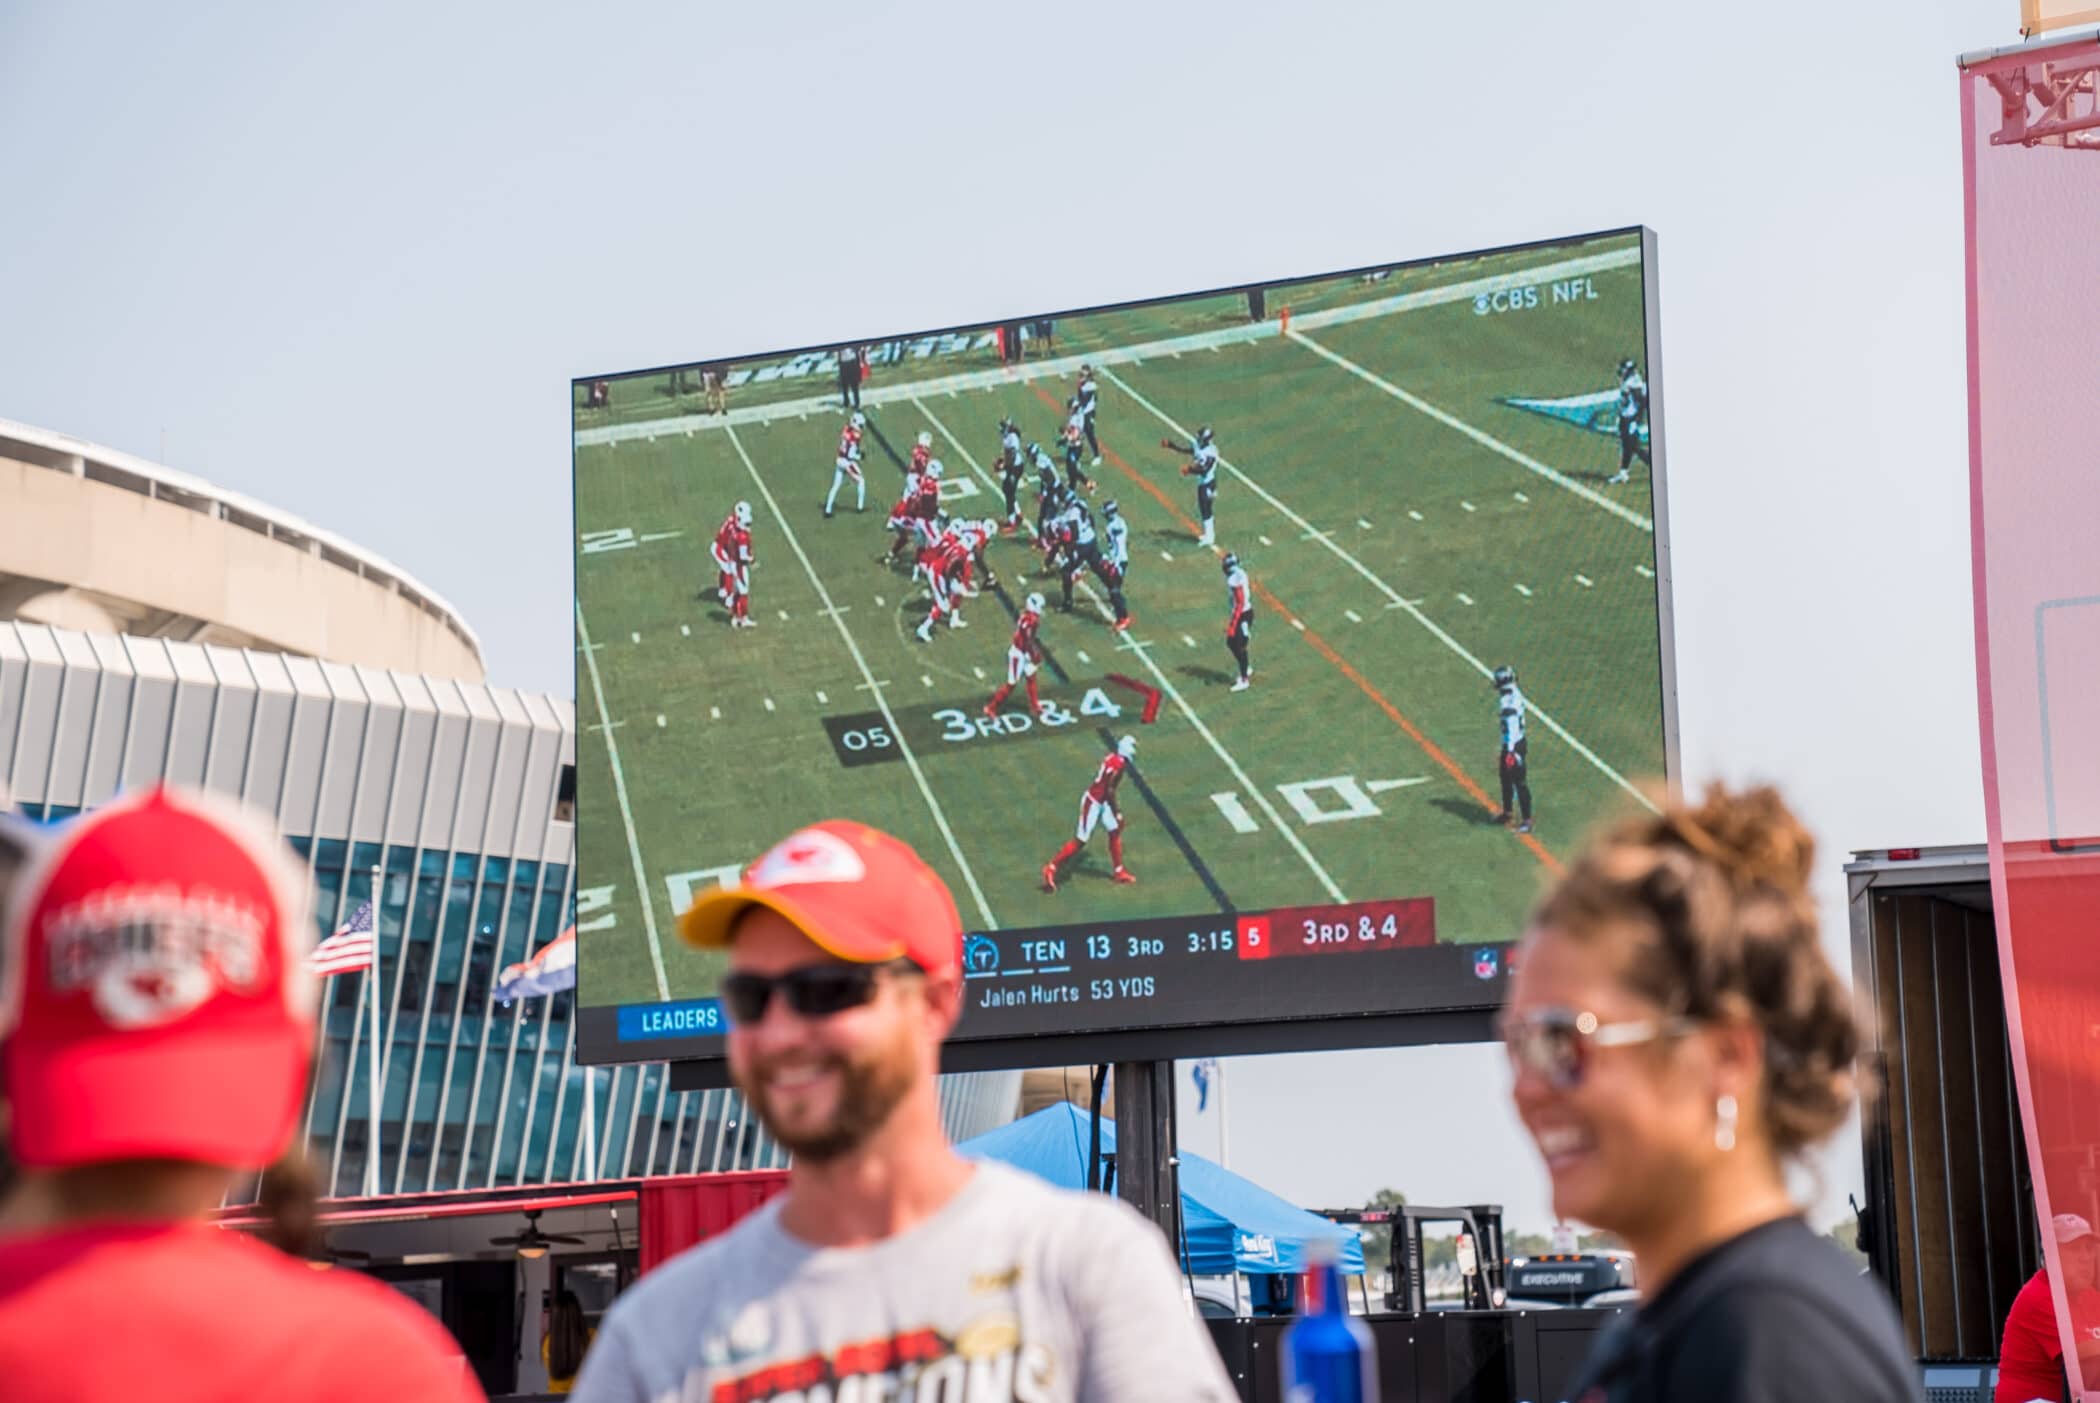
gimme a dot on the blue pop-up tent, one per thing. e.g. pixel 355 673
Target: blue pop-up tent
pixel 1230 1224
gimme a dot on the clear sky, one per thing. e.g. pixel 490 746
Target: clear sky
pixel 347 258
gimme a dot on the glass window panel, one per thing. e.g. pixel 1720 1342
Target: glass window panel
pixel 612 1126
pixel 349 1178
pixel 452 950
pixel 554 1141
pixel 328 884
pixel 666 1131
pixel 564 1132
pixel 328 1083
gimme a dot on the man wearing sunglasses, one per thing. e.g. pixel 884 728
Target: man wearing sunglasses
pixel 892 1267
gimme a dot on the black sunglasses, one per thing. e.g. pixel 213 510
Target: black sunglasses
pixel 813 991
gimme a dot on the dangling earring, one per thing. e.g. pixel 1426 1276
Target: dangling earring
pixel 1724 1122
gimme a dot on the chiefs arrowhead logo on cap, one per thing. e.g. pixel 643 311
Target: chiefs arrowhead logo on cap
pixel 812 855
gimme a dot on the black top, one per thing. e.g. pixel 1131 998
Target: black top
pixel 1776 1315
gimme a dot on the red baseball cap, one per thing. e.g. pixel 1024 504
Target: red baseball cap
pixel 154 996
pixel 856 891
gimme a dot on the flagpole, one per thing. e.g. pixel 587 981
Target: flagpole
pixel 590 1126
pixel 372 1089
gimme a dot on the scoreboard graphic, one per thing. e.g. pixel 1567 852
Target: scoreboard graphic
pixel 1244 660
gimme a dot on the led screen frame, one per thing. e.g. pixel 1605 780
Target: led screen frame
pixel 1450 989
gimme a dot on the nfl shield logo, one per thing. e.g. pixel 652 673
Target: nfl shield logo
pixel 1486 963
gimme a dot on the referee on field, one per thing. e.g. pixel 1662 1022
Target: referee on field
pixel 849 377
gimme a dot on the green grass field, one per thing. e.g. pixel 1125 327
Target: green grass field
pixel 1404 529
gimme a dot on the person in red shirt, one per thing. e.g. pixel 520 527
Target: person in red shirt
pixel 2031 1356
pixel 948 566
pixel 1023 656
pixel 1098 808
pixel 158 1023
pixel 914 517
pixel 847 467
pixel 732 552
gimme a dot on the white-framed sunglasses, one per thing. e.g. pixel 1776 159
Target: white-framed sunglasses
pixel 1556 1042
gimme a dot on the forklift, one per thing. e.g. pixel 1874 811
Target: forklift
pixel 1481 1264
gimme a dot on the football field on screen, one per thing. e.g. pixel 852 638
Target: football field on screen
pixel 1417 489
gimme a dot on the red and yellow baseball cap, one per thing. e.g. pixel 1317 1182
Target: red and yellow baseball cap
pixel 855 891
pixel 154 995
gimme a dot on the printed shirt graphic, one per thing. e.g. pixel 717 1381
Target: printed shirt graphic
pixel 1015 1292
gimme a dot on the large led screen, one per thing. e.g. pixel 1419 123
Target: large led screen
pixel 1243 660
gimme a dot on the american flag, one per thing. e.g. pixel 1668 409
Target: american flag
pixel 348 949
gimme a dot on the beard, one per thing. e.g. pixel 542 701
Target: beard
pixel 870 1088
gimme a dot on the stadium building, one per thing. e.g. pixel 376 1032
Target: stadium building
pixel 153 626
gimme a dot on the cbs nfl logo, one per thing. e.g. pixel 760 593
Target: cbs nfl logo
pixel 1487 963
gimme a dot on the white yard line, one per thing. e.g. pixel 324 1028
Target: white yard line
pixel 634 844
pixel 1398 601
pixel 1485 440
pixel 933 805
pixel 992 379
pixel 1143 654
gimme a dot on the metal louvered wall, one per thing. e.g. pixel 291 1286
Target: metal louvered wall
pixel 441 794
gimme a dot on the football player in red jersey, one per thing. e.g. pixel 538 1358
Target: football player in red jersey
pixel 1023 656
pixel 982 533
pixel 913 516
pixel 1098 808
pixel 928 507
pixel 732 553
pixel 921 454
pixel 848 465
pixel 948 571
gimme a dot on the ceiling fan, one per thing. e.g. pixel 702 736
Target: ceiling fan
pixel 532 1242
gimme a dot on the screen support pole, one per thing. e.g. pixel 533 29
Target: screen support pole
pixel 1147 1174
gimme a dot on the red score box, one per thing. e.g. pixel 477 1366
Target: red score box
pixel 1329 930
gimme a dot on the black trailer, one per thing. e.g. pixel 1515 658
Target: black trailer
pixel 1949 1219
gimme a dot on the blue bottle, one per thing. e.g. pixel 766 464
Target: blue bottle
pixel 1328 1356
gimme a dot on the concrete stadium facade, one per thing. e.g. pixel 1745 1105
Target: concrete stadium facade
pixel 445 801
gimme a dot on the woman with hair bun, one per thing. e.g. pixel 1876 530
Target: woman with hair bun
pixel 1678 1039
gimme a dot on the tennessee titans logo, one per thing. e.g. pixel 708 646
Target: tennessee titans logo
pixel 980 954
pixel 1487 963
